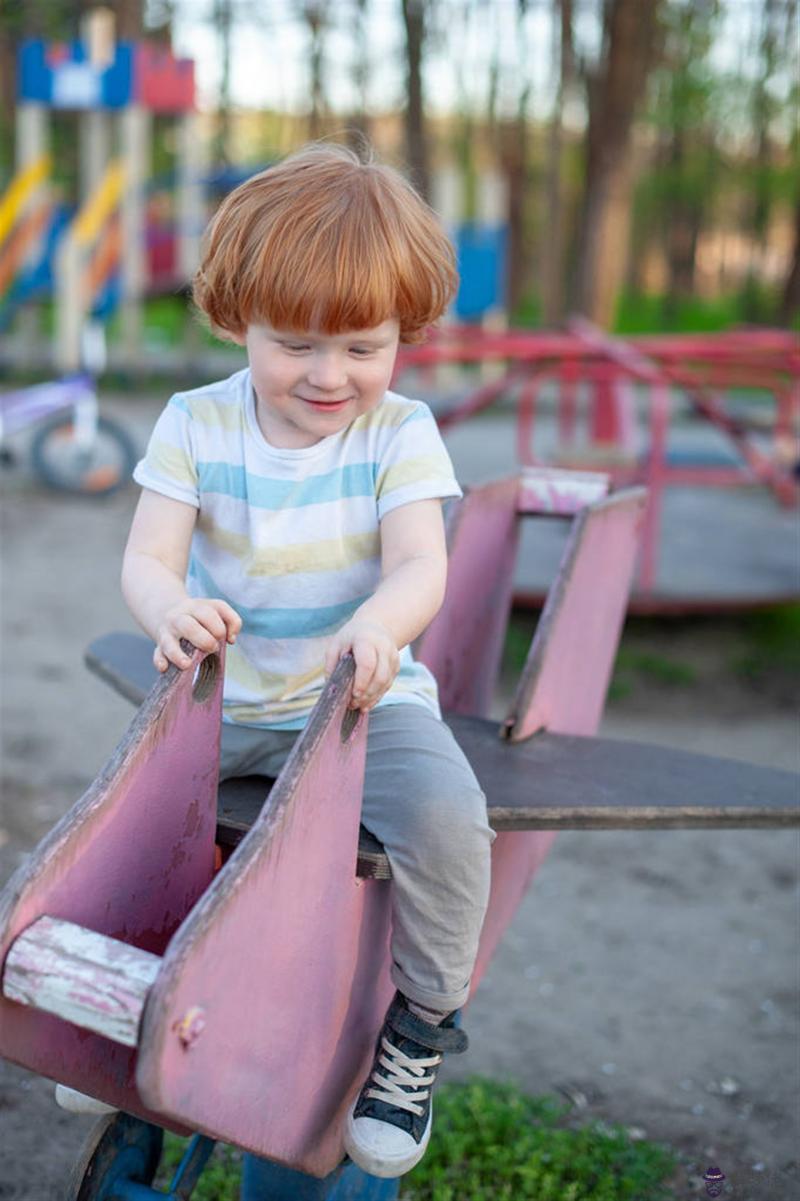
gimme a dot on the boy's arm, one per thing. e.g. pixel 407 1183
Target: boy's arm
pixel 410 594
pixel 153 575
pixel 413 571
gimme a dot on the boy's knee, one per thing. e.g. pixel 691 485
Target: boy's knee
pixel 452 821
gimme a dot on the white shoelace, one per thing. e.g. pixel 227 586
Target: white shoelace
pixel 405 1072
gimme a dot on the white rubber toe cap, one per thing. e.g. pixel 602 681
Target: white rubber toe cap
pixel 382 1149
pixel 75 1102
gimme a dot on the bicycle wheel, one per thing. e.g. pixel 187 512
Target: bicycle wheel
pixel 120 1150
pixel 96 470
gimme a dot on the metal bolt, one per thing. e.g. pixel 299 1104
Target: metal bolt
pixel 190 1026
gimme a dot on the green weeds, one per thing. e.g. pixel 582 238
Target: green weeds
pixel 221 1178
pixel 771 644
pixel 492 1142
pixel 638 666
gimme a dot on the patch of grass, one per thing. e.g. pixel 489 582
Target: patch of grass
pixel 528 313
pixel 633 667
pixel 519 632
pixel 772 643
pixel 221 1178
pixel 655 667
pixel 637 314
pixel 652 313
pixel 491 1142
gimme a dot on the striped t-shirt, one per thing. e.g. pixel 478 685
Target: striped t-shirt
pixel 290 538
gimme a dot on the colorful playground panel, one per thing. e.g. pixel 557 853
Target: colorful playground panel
pixel 62 76
pixel 482 252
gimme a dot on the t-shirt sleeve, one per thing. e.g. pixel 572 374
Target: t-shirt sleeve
pixel 170 464
pixel 415 464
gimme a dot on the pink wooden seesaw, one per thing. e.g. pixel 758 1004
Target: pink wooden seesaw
pixel 244 1004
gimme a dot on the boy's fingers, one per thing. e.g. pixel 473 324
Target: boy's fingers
pixel 381 677
pixel 232 620
pixel 198 635
pixel 229 621
pixel 210 620
pixel 172 653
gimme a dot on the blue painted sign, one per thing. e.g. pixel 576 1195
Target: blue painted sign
pixel 61 76
pixel 481 251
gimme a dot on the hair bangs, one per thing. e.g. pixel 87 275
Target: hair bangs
pixel 327 277
pixel 323 241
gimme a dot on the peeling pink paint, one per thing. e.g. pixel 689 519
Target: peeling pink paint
pixel 276 971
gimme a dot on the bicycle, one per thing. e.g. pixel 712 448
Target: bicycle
pixel 76 449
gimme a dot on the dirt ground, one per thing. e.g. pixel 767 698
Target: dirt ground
pixel 650 976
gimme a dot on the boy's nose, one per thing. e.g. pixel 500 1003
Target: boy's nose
pixel 327 372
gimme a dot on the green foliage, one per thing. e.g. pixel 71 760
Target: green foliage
pixel 638 314
pixel 519 632
pixel 220 1180
pixel 635 664
pixel 528 313
pixel 637 667
pixel 772 643
pixel 491 1142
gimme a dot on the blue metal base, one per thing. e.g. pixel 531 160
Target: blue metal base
pixel 266 1181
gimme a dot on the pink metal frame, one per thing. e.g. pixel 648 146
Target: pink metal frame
pixel 703 367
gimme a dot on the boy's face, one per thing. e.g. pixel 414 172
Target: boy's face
pixel 309 385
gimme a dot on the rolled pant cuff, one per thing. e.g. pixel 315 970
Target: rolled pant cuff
pixel 444 1002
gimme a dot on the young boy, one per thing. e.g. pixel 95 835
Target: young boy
pixel 294 510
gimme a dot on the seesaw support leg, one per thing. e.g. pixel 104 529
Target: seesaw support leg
pixel 266 1181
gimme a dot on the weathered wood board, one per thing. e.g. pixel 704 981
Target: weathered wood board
pixel 129 861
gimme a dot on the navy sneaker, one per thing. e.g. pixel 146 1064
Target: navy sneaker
pixel 389 1124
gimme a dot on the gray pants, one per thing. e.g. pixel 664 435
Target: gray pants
pixel 422 800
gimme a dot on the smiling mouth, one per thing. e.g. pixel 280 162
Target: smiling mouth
pixel 327 404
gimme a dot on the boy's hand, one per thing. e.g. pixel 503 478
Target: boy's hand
pixel 376 655
pixel 202 621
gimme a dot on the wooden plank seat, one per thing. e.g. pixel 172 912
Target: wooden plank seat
pixel 545 782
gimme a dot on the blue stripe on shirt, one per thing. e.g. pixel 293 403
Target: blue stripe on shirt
pixel 354 479
pixel 280 623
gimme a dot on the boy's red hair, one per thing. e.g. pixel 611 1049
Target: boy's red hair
pixel 325 241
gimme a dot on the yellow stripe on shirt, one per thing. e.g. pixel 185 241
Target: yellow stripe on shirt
pixel 262 562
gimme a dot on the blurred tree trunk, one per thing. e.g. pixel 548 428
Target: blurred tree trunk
pixel 129 18
pixel 514 154
pixel 683 228
pixel 554 234
pixel 314 15
pixel 790 300
pixel 9 40
pixel 223 23
pixel 416 144
pixel 615 87
pixel 763 111
pixel 691 157
pixel 358 130
pixel 513 145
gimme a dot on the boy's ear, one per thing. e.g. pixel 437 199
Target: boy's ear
pixel 239 339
